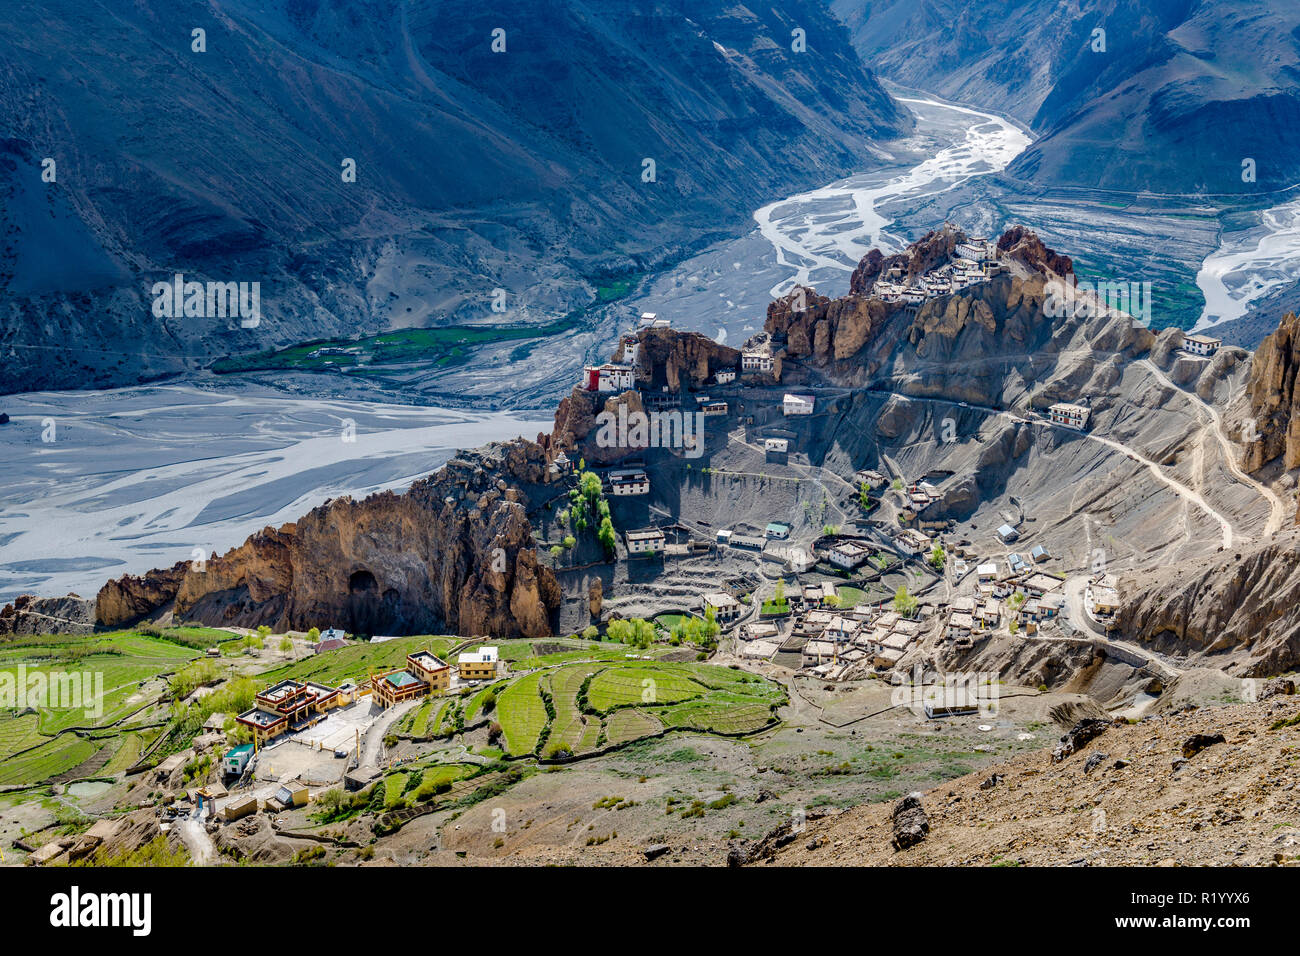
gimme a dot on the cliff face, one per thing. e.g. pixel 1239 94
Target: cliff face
pixel 1246 602
pixel 454 553
pixel 1274 400
pixel 679 359
pixel 977 345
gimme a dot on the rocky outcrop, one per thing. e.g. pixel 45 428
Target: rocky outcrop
pixel 1274 400
pixel 1245 603
pixel 911 825
pixel 935 248
pixel 680 359
pixel 455 553
pixel 1024 246
pixel 985 344
pixel 1078 737
pixel 132 596
pixel 28 614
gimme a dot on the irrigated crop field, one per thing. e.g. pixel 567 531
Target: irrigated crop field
pixel 77 730
pixel 613 699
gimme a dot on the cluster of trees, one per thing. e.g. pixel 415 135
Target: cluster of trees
pixel 635 631
pixel 937 556
pixel 587 508
pixel 702 632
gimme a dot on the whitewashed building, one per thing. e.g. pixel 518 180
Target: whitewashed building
pixel 629 481
pixel 1071 416
pixel 793 404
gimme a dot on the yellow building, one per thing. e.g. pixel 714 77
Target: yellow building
pixel 483 664
pixel 424 673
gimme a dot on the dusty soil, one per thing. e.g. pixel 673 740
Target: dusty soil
pixel 1233 803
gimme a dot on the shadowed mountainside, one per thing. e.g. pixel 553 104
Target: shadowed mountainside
pixel 476 170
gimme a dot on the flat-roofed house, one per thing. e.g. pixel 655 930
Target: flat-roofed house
pixel 725 607
pixel 756 360
pixel 778 446
pixel 1103 600
pixel 286 705
pixel 607 378
pixel 431 669
pixel 482 664
pixel 777 529
pixel 1069 415
pixel 724 375
pixel 848 554
pixel 987 572
pixel 797 404
pixel 649 541
pixel 629 481
pixel 1201 344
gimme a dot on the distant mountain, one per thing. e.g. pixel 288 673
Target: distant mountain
pixel 476 170
pixel 1184 91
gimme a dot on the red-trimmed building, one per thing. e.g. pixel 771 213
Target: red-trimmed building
pixel 286 706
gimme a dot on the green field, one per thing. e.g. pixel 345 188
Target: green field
pixel 439 347
pixel 627 700
pixel 56 740
pixel 522 713
pixel 358 661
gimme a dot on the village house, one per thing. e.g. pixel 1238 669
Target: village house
pixel 288 705
pixel 482 664
pixel 776 445
pixel 708 408
pixel 988 614
pixel 648 541
pixel 848 554
pixel 724 375
pixel 1016 564
pixel 607 378
pixel 871 478
pixel 756 360
pixel 725 607
pixel 724 536
pixel 629 481
pixel 987 572
pixel 776 529
pixel 1101 599
pixel 797 404
pixel 236 760
pixel 913 542
pixel 1008 534
pixel 1201 344
pixel 1039 554
pixel 1071 416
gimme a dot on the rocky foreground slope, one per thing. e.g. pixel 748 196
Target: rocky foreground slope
pixel 1207 786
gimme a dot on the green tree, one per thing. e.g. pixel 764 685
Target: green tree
pixel 606 535
pixel 556 551
pixel 904 603
pixel 313 635
pixel 937 556
pixel 591 633
pixel 569 541
pixel 286 645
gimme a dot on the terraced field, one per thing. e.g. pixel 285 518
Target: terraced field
pixel 357 661
pixel 608 699
pixel 523 713
pixel 55 741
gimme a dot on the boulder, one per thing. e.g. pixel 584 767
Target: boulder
pixel 1078 737
pixel 911 825
pixel 1198 742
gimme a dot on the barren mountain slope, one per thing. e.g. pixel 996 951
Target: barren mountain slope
pixel 1232 803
